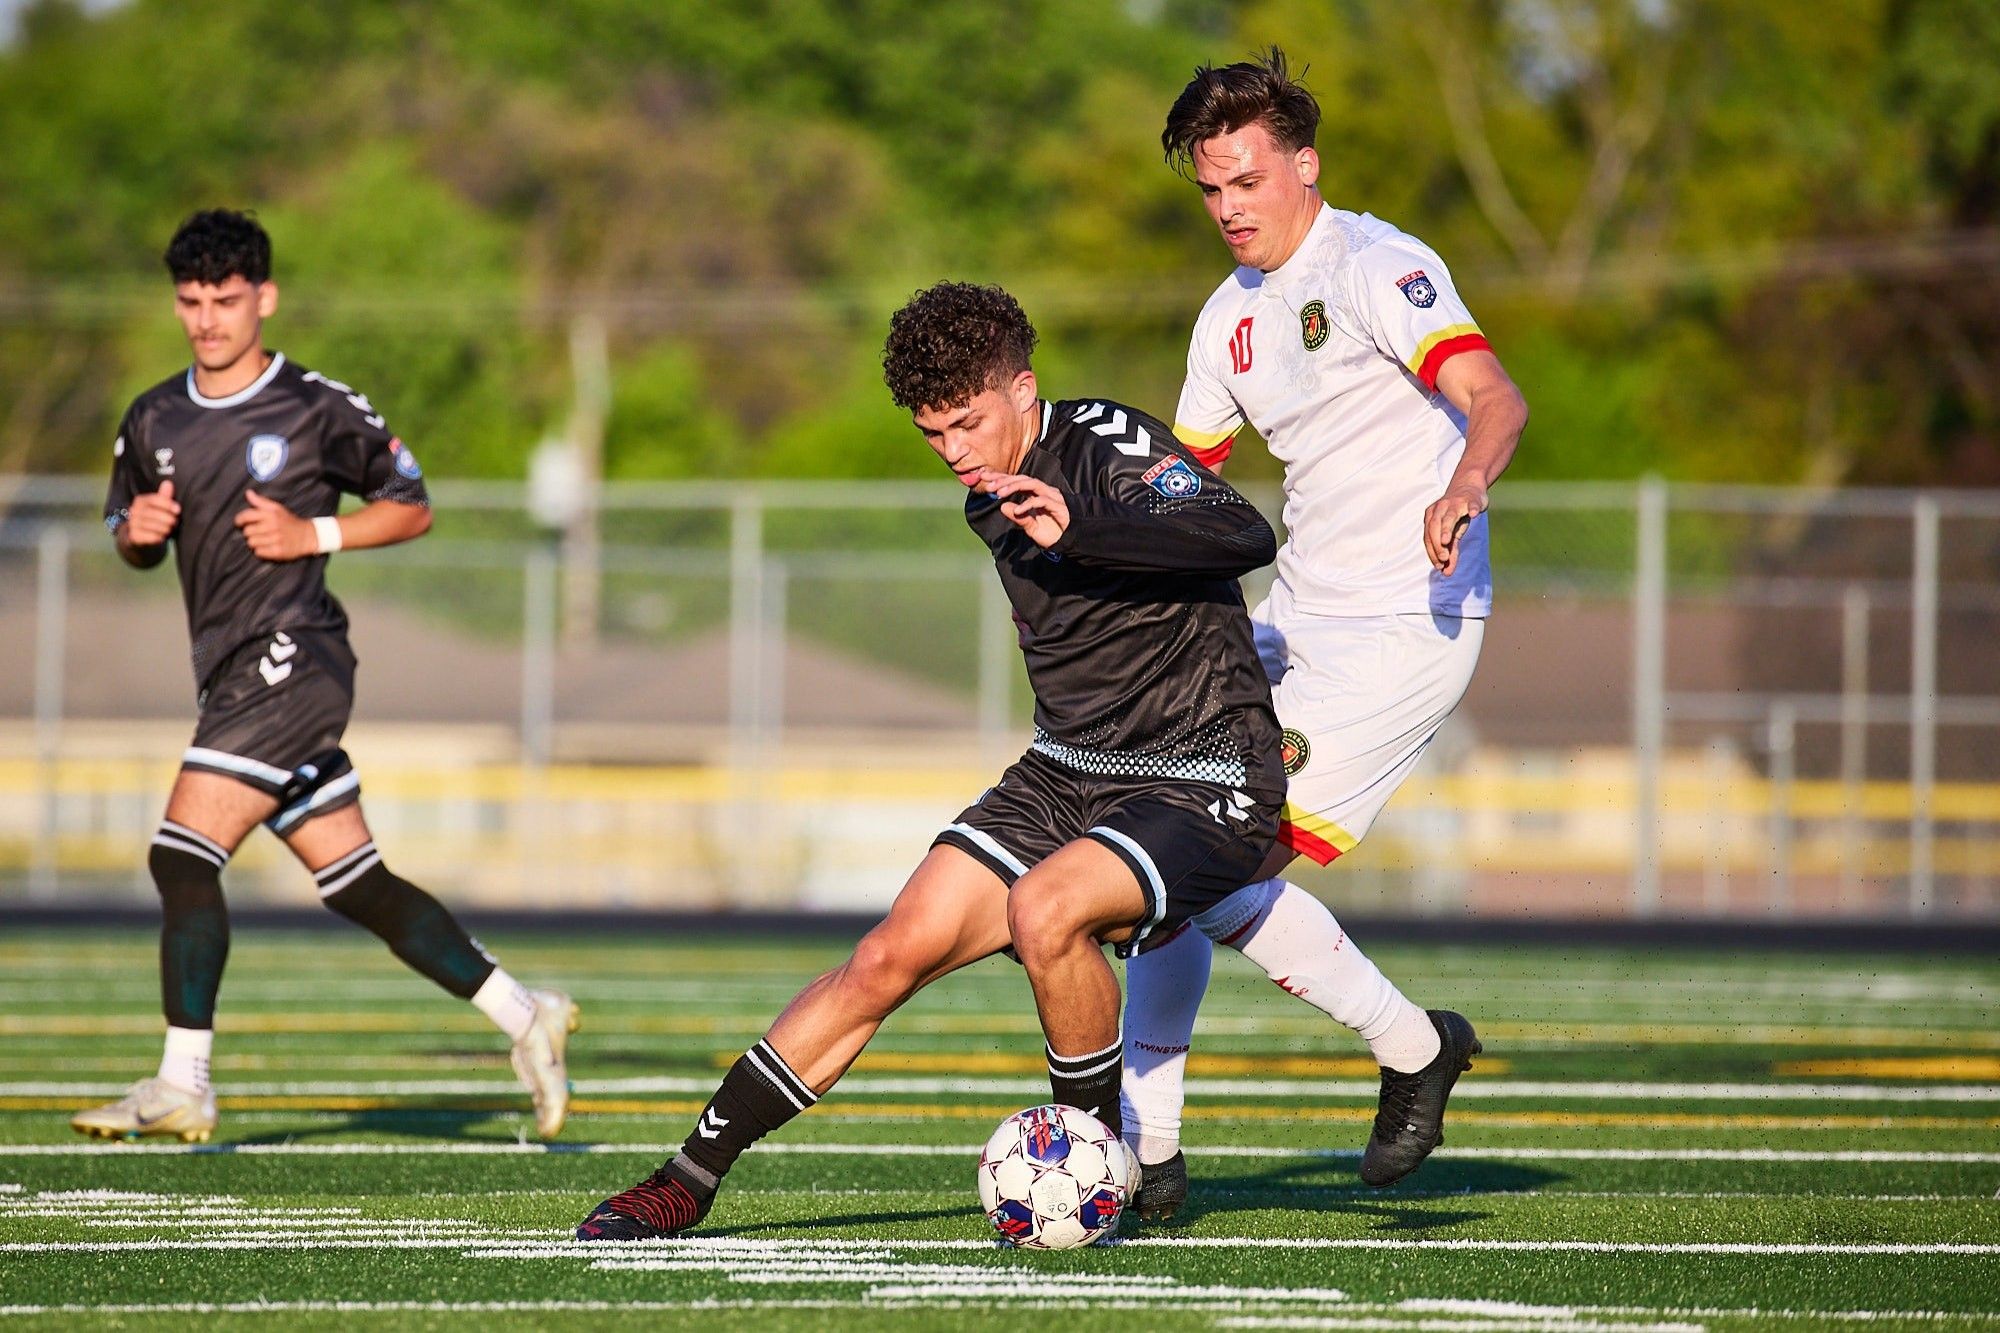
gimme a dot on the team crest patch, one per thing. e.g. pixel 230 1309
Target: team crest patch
pixel 266 455
pixel 1419 289
pixel 406 462
pixel 1294 750
pixel 1173 478
pixel 1313 326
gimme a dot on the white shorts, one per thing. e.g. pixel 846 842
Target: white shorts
pixel 1359 698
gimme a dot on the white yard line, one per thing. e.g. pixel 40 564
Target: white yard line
pixel 1476 1089
pixel 112 1150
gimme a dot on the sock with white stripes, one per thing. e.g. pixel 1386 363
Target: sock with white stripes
pixel 507 1002
pixel 758 1094
pixel 185 1061
pixel 1090 1082
pixel 194 924
pixel 414 925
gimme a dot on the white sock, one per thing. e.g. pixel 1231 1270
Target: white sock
pixel 1291 935
pixel 507 1002
pixel 185 1061
pixel 1163 988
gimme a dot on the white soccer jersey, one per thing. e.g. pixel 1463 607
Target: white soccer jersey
pixel 1334 357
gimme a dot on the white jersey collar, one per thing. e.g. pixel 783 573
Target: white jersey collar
pixel 242 395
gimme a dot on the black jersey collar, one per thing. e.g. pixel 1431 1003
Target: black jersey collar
pixel 242 395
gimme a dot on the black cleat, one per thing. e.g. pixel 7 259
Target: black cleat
pixel 1410 1120
pixel 1163 1188
pixel 663 1204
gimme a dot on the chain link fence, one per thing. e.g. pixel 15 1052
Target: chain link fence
pixel 1693 701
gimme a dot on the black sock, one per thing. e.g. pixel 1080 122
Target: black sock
pixel 414 925
pixel 1090 1082
pixel 194 923
pixel 759 1093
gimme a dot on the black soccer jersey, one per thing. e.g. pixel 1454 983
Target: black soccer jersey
pixel 294 436
pixel 1138 647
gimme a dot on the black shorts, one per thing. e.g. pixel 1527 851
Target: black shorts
pixel 272 716
pixel 1189 844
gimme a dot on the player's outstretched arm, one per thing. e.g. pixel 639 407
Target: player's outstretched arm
pixel 276 533
pixel 1495 414
pixel 142 538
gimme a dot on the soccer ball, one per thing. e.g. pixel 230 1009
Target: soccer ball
pixel 1054 1177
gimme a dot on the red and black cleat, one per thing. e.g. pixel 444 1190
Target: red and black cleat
pixel 659 1206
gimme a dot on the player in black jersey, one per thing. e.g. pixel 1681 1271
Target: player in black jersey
pixel 1154 780
pixel 241 463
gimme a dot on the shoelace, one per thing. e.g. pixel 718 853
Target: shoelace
pixel 1399 1098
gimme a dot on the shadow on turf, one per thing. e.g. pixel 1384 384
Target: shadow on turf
pixel 417 1121
pixel 844 1223
pixel 1410 1205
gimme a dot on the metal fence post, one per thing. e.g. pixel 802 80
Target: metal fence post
pixel 747 630
pixel 996 658
pixel 538 655
pixel 1923 701
pixel 51 645
pixel 1853 732
pixel 1783 740
pixel 1649 672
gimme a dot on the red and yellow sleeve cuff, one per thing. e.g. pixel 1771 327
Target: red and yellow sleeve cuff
pixel 1442 346
pixel 1210 448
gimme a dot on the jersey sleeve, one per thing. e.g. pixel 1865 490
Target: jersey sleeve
pixel 1141 505
pixel 1410 309
pixel 1208 417
pixel 128 477
pixel 363 456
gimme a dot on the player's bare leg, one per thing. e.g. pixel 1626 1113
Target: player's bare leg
pixel 1061 914
pixel 951 912
pixel 355 883
pixel 207 816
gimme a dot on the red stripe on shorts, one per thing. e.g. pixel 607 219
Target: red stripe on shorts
pixel 1306 844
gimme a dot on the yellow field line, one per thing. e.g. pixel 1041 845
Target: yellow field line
pixel 1956 1067
pixel 997 1111
pixel 1688 1034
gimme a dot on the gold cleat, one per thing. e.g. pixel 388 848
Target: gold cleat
pixel 154 1108
pixel 538 1059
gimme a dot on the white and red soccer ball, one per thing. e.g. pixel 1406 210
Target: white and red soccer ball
pixel 1054 1177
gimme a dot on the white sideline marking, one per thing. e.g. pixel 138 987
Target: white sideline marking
pixel 111 1150
pixel 1034 1086
pixel 665 1248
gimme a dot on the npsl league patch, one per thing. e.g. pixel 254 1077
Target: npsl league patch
pixel 1419 289
pixel 406 462
pixel 1294 751
pixel 266 455
pixel 1314 329
pixel 1173 478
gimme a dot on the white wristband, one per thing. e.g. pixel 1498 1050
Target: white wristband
pixel 327 530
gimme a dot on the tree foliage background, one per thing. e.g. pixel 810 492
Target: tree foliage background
pixel 1720 239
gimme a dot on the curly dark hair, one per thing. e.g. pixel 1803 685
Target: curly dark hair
pixel 217 243
pixel 952 342
pixel 1258 91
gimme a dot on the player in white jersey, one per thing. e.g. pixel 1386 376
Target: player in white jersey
pixel 1343 342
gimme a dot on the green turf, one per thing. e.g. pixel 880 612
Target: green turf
pixel 1578 1209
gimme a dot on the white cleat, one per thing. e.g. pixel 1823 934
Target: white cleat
pixel 538 1059
pixel 154 1107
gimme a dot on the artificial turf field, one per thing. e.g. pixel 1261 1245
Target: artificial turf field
pixel 1654 1140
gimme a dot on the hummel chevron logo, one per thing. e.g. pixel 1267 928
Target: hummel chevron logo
pixel 282 650
pixel 272 672
pixel 709 1116
pixel 1237 809
pixel 1126 435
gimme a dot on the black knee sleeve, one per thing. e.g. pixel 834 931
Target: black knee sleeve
pixel 414 925
pixel 194 924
